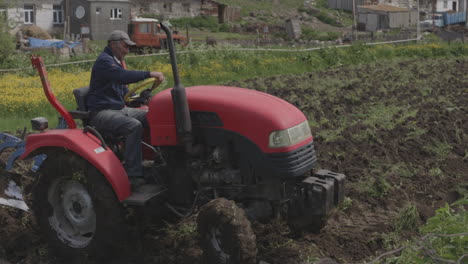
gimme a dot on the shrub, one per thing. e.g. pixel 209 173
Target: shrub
pixel 7 42
pixel 7 45
pixel 325 18
pixel 200 22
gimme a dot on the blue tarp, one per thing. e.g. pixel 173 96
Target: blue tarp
pixel 72 45
pixel 34 42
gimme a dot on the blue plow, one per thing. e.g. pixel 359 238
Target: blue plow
pixel 8 141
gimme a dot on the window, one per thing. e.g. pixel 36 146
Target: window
pixel 57 14
pixel 28 14
pixel 98 10
pixel 186 7
pixel 144 27
pixel 445 4
pixel 116 13
pixel 168 7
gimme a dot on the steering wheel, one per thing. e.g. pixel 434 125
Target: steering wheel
pixel 155 82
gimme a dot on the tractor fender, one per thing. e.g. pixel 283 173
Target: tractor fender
pixel 89 148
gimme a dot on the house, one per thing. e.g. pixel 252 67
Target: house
pixel 166 9
pixel 95 18
pixel 47 14
pixel 424 6
pixel 224 12
pixel 378 17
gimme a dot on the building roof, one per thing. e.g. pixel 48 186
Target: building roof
pixel 143 19
pixel 385 8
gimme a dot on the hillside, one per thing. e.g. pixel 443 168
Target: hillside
pixel 282 7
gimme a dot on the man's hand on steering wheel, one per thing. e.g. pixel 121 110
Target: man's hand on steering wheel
pixel 158 75
pixel 156 78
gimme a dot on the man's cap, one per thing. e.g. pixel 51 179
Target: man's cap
pixel 117 35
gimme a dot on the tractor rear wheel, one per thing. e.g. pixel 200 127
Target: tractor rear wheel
pixel 76 208
pixel 225 233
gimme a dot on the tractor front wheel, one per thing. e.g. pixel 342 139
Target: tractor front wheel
pixel 76 208
pixel 225 233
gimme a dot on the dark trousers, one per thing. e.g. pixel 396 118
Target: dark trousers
pixel 129 123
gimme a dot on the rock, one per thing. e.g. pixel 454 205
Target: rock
pixel 211 41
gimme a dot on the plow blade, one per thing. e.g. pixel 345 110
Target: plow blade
pixel 11 195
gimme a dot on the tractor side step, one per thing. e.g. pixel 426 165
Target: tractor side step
pixel 338 180
pixel 143 194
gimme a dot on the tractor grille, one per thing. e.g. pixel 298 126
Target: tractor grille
pixel 296 162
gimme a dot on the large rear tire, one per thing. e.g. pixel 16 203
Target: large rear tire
pixel 226 234
pixel 76 208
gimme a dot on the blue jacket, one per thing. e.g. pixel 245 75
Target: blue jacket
pixel 109 81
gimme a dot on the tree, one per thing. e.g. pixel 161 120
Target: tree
pixel 7 41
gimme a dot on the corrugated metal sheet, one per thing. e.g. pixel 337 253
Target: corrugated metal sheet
pixel 454 18
pixel 384 8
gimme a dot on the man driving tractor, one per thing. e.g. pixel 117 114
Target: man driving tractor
pixel 109 114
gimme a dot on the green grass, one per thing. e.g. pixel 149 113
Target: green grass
pixel 248 6
pixel 407 219
pixel 13 124
pixel 450 219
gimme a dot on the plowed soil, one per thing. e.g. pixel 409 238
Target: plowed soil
pixel 398 130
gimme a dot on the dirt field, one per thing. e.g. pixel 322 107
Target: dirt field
pixel 397 130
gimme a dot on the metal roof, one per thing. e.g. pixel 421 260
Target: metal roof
pixel 385 8
pixel 143 19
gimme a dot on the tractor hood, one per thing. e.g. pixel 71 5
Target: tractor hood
pixel 250 113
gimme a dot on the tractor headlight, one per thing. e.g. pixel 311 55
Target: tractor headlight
pixel 290 136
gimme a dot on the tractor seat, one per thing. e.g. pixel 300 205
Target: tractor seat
pixel 82 113
pixel 80 98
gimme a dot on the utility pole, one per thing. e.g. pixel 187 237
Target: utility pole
pixel 354 20
pixel 417 21
pixel 67 26
pixel 432 14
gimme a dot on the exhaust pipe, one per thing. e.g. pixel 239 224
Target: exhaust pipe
pixel 179 99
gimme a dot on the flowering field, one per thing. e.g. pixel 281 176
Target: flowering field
pixel 22 98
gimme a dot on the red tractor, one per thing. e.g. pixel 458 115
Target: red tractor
pixel 236 154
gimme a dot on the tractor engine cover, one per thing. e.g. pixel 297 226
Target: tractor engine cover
pixel 309 204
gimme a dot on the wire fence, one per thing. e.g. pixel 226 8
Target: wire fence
pixel 228 49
